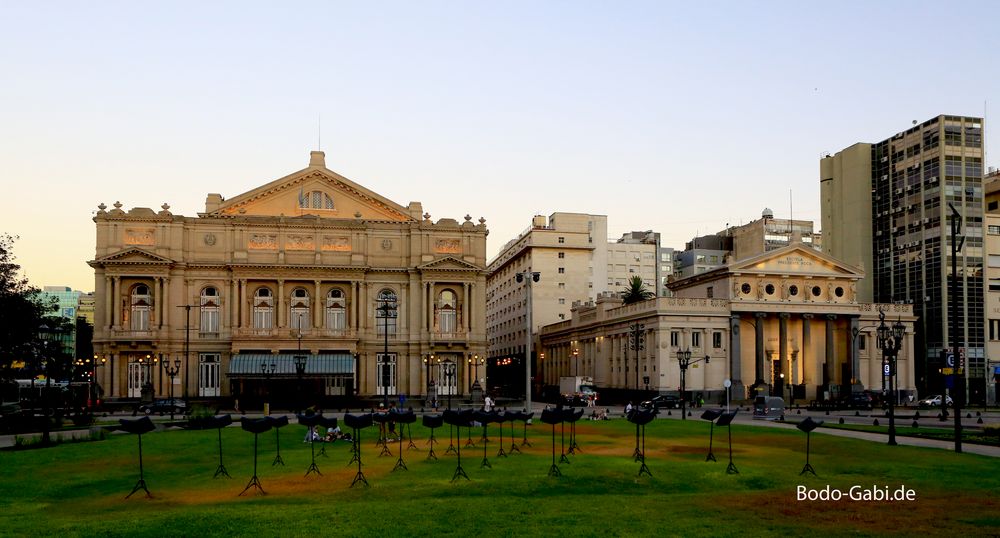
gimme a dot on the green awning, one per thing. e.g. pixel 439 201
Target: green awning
pixel 284 364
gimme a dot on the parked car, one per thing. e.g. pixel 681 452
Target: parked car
pixel 768 408
pixel 162 406
pixel 663 401
pixel 935 401
pixel 857 400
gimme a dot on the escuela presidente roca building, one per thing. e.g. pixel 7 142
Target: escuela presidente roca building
pixel 378 298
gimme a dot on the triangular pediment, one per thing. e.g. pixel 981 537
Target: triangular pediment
pixel 448 263
pixel 796 259
pixel 132 255
pixel 315 191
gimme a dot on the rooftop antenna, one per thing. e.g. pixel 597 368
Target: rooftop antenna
pixel 319 132
pixel 791 214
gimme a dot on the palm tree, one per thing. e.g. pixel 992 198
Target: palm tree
pixel 636 291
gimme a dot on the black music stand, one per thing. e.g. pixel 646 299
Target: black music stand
pixel 511 417
pixel 808 425
pixel 726 419
pixel 710 415
pixel 457 419
pixel 382 419
pixel 326 423
pixel 641 417
pixel 256 426
pixel 485 418
pixel 310 422
pixel 402 417
pixel 432 422
pixel 218 422
pixel 553 417
pixel 567 414
pixel 573 417
pixel 500 417
pixel 357 423
pixel 138 426
pixel 277 424
pixel 526 417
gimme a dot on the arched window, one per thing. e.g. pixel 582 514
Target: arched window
pixel 209 311
pixel 315 200
pixel 140 306
pixel 386 309
pixel 263 309
pixel 336 310
pixel 447 312
pixel 300 309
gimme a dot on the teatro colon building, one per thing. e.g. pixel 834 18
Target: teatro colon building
pixel 309 289
pixel 784 323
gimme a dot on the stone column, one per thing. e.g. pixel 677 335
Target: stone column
pixel 465 308
pixel 829 355
pixel 243 303
pixel 783 353
pixel 855 355
pixel 317 305
pixel 735 358
pixel 109 302
pixel 280 305
pixel 116 299
pixel 157 306
pixel 805 350
pixel 759 318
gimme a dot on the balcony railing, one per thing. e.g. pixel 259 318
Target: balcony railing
pixel 130 334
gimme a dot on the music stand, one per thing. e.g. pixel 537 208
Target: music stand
pixel 573 417
pixel 553 417
pixel 277 424
pixel 500 417
pixel 138 426
pixel 218 422
pixel 382 419
pixel 567 414
pixel 256 426
pixel 526 417
pixel 457 419
pixel 432 422
pixel 511 417
pixel 636 454
pixel 402 417
pixel 710 415
pixel 310 421
pixel 357 423
pixel 484 418
pixel 726 419
pixel 326 423
pixel 641 417
pixel 808 425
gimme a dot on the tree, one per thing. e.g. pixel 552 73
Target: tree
pixel 636 291
pixel 23 314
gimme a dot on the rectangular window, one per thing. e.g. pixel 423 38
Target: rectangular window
pixel 994 260
pixel 562 255
pixel 862 342
pixel 995 284
pixel 562 285
pixel 562 300
pixel 710 292
pixel 209 320
pixel 993 230
pixel 562 270
pixel 675 338
pixel 562 239
pixel 717 340
pixel 696 339
pixel 995 329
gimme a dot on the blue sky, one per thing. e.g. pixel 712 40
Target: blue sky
pixel 668 116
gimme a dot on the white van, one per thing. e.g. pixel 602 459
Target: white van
pixel 768 408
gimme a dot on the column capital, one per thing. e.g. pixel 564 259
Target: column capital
pixel 760 315
pixel 784 315
pixel 831 317
pixel 808 316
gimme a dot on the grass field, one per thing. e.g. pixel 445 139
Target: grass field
pixel 78 489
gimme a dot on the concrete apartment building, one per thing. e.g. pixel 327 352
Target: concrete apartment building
pixel 991 187
pixel 304 265
pixel 768 233
pixel 634 254
pixel 885 210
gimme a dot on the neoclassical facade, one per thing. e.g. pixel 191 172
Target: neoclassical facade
pixel 783 320
pixel 376 296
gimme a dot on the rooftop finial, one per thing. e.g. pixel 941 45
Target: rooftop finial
pixel 317 158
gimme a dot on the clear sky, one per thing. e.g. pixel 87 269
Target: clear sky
pixel 678 117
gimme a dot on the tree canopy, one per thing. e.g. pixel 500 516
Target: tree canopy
pixel 636 291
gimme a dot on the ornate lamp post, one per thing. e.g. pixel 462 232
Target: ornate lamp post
pixel 684 360
pixel 476 362
pixel 171 372
pixel 528 277
pixel 300 370
pixel 637 342
pixel 576 361
pixel 267 370
pixel 890 340
pixel 449 374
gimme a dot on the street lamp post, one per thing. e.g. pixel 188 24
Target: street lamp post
pixel 684 360
pixel 267 370
pixel 637 342
pixel 959 374
pixel 300 363
pixel 171 372
pixel 528 277
pixel 449 374
pixel 476 362
pixel 576 361
pixel 890 340
pixel 388 309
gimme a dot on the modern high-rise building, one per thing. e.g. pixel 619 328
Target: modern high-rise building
pixel 65 300
pixel 887 209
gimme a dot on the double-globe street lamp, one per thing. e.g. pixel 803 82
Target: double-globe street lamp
pixel 684 360
pixel 387 309
pixel 890 340
pixel 171 372
pixel 475 361
pixel 449 374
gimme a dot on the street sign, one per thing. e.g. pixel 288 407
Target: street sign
pixel 949 359
pixel 886 370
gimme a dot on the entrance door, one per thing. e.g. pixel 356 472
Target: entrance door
pixel 208 375
pixel 386 373
pixel 138 375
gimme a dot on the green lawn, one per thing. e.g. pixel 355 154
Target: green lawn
pixel 78 489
